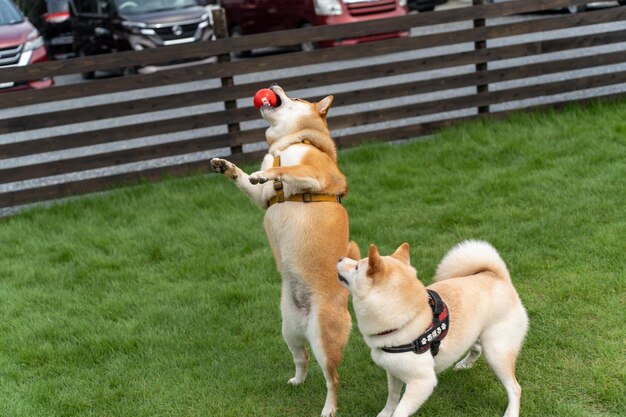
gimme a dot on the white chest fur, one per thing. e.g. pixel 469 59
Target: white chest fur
pixel 294 154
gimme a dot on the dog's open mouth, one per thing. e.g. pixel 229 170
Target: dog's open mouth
pixel 342 279
pixel 279 101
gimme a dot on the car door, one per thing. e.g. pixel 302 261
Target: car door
pixel 277 14
pixel 252 16
pixel 92 27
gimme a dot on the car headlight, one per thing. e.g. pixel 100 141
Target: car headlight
pixel 34 41
pixel 138 28
pixel 327 7
pixel 402 3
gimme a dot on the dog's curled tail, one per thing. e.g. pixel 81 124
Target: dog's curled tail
pixel 471 257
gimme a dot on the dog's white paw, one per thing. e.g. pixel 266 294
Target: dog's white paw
pixel 222 166
pixel 295 381
pixel 258 177
pixel 329 412
pixel 464 364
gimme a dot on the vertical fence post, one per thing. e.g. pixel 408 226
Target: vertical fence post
pixel 481 66
pixel 220 28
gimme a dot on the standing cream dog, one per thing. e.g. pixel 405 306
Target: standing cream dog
pixel 301 187
pixel 480 312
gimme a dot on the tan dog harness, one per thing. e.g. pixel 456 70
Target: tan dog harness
pixel 300 197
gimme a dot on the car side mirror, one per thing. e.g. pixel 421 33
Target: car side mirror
pixel 104 6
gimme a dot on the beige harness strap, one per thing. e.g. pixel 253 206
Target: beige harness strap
pixel 300 197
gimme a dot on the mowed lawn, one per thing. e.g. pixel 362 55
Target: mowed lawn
pixel 163 299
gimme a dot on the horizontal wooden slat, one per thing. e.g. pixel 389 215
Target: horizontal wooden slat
pixel 200 72
pixel 220 94
pixel 474 78
pixel 283 38
pixel 417 130
pixel 106 111
pixel 67 189
pixel 119 133
pixel 482 99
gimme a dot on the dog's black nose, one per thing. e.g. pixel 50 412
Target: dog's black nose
pixel 273 85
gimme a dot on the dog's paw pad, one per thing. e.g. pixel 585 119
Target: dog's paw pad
pixel 257 178
pixel 220 165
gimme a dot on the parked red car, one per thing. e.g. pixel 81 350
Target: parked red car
pixel 20 45
pixel 256 16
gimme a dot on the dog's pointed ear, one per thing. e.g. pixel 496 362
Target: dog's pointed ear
pixel 323 105
pixel 375 261
pixel 402 254
pixel 353 251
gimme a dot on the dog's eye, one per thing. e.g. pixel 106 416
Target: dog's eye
pixel 357 267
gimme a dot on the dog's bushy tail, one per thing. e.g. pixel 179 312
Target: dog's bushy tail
pixel 471 257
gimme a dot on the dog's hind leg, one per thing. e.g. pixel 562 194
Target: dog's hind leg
pixel 471 358
pixel 501 355
pixel 295 320
pixel 329 330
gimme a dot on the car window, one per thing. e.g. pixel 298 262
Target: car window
pixel 9 13
pixel 55 6
pixel 92 6
pixel 86 6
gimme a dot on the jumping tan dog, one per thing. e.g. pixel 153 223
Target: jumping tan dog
pixel 415 332
pixel 301 186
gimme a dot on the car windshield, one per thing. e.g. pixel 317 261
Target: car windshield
pixel 9 13
pixel 147 6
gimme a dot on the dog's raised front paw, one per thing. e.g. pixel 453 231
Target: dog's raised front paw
pixel 222 166
pixel 258 177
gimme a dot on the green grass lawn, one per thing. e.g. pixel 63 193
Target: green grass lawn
pixel 163 299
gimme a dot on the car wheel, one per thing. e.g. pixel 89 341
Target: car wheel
pixel 576 9
pixel 622 2
pixel 236 32
pixel 307 46
pixel 423 9
pixel 130 71
pixel 89 75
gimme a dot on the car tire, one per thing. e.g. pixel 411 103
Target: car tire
pixel 622 2
pixel 576 9
pixel 425 9
pixel 130 71
pixel 236 32
pixel 89 75
pixel 307 46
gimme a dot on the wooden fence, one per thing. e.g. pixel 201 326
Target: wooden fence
pixel 458 64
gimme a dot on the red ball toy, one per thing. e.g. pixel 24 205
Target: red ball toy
pixel 265 96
